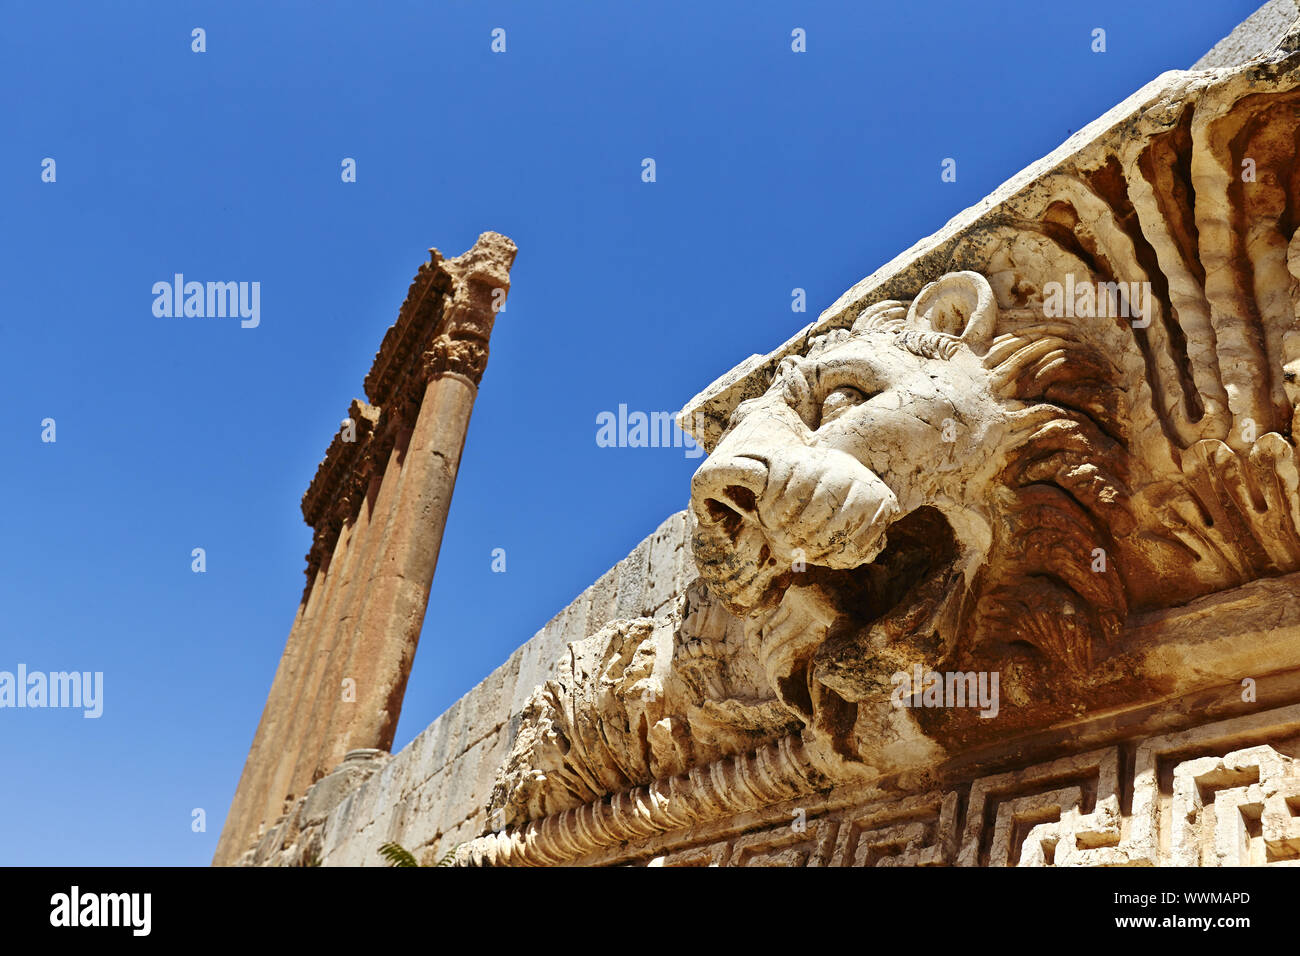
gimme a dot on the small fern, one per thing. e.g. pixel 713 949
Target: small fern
pixel 397 855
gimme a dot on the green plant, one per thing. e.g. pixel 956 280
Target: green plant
pixel 398 855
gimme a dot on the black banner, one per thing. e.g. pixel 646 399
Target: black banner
pixel 332 905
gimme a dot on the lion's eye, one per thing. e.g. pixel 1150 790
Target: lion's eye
pixel 840 400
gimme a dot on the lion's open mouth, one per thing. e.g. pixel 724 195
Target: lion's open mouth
pixel 921 546
pixel 834 637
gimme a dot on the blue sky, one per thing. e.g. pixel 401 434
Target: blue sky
pixel 775 170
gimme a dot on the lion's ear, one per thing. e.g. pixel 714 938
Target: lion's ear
pixel 960 304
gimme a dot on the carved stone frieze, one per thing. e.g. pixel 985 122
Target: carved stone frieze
pixel 1222 794
pixel 638 701
pixel 1003 457
pixel 443 326
pixel 1087 414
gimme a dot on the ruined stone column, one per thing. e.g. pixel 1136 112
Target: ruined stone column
pixel 379 504
pixel 248 792
pixel 305 758
pixel 308 685
pixel 389 629
pixel 338 523
pixel 258 799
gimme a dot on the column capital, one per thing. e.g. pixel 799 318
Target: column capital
pixel 460 356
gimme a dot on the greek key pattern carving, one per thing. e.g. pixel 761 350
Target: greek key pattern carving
pixel 1223 794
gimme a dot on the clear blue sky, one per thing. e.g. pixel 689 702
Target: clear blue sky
pixel 775 170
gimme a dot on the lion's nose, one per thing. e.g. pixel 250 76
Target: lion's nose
pixel 725 492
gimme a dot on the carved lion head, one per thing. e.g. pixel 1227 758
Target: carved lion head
pixel 914 478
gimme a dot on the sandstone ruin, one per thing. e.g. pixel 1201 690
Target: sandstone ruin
pixel 997 563
pixel 378 505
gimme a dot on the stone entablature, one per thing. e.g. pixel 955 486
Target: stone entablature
pixel 1222 794
pixel 1237 806
pixel 1254 629
pixel 414 350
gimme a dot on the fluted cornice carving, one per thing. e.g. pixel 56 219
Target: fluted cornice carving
pixel 735 785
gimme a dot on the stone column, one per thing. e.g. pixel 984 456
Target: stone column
pixel 250 792
pixel 389 630
pixel 274 785
pixel 307 759
pixel 378 504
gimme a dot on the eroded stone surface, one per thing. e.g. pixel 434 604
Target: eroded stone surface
pixel 990 476
pixel 637 701
pixel 434 794
pixel 1236 806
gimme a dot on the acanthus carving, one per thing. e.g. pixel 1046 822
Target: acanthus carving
pixel 480 283
pixel 460 356
pixel 639 700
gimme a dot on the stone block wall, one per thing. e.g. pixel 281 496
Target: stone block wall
pixel 1257 34
pixel 432 795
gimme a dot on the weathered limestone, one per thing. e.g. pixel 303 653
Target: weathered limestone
pixel 792 778
pixel 1255 36
pixel 299 731
pixel 433 795
pixel 992 475
pixel 389 625
pixel 378 505
pixel 337 642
